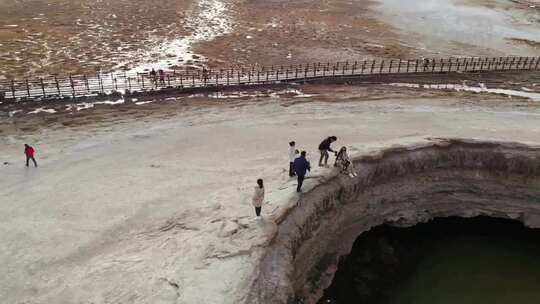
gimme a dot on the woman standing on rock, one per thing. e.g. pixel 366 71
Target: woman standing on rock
pixel 258 197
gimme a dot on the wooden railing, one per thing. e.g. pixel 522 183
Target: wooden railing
pixel 121 83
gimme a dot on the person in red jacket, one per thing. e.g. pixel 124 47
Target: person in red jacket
pixel 29 152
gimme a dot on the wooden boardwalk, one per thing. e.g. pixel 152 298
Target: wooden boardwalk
pixel 75 86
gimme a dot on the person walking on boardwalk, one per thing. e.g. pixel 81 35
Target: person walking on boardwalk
pixel 29 152
pixel 293 153
pixel 301 167
pixel 258 197
pixel 324 147
pixel 153 76
pixel 161 74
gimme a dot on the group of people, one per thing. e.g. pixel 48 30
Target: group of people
pixel 159 75
pixel 299 166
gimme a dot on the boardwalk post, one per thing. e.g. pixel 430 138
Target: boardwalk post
pixel 287 73
pixel 525 63
pixel 537 62
pixel 238 75
pixel 228 77
pixel 86 84
pixel 314 70
pixel 433 66
pixel 399 67
pixel 458 65
pixel 258 76
pixel 277 74
pixel 296 73
pixel 115 84
pixel 181 81
pixel 489 64
pixel 353 68
pixel 450 65
pixel 363 67
pixel 57 85
pixel 13 88
pixel 72 86
pixel 416 66
pixel 442 66
pixel 390 67
pixel 381 67
pixel 481 64
pixel 42 86
pixel 129 83
pixel 249 77
pixel 27 88
pixel 372 66
pixel 142 80
pixel 305 73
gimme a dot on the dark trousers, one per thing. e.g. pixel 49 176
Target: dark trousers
pixel 258 211
pixel 30 158
pixel 324 155
pixel 300 182
pixel 291 170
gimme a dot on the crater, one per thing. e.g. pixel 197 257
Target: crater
pixel 400 186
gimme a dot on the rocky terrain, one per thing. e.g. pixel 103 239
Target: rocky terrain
pixel 401 186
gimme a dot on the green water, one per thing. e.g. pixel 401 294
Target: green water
pixel 474 270
pixel 452 261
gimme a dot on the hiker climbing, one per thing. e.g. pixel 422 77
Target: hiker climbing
pixel 30 152
pixel 324 147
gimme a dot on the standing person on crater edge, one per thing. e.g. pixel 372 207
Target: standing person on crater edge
pixel 301 167
pixel 293 153
pixel 29 152
pixel 258 197
pixel 324 147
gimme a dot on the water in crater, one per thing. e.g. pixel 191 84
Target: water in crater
pixel 449 260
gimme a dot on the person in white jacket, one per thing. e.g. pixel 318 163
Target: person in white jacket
pixel 344 162
pixel 258 197
pixel 293 154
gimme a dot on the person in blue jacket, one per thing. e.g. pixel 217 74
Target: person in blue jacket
pixel 301 166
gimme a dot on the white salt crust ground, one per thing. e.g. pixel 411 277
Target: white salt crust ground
pixel 160 212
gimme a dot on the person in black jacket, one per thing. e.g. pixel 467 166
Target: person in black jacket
pixel 324 147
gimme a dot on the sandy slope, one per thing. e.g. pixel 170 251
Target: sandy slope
pixel 159 212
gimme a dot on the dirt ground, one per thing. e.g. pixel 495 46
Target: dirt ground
pixel 81 36
pixel 85 36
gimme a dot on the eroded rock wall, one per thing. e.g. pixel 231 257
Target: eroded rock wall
pixel 402 186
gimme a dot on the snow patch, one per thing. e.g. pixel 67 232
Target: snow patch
pixel 210 20
pixel 527 93
pixel 42 110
